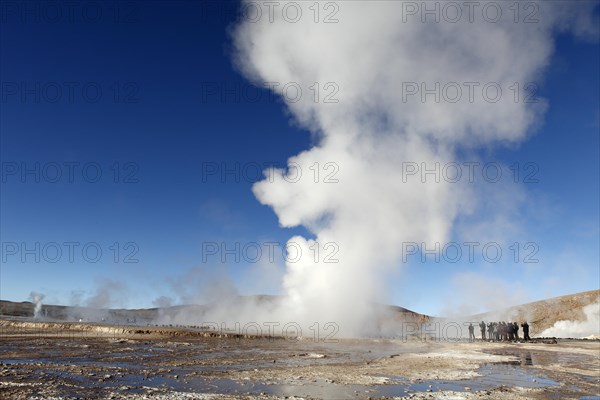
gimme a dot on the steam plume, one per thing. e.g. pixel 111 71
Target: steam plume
pixel 36 298
pixel 370 134
pixel 590 327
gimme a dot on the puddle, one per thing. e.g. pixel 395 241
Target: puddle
pixel 509 375
pixel 165 365
pixel 532 357
pixel 493 375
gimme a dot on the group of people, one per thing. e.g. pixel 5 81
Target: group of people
pixel 500 331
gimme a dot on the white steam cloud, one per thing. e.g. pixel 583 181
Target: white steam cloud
pixel 376 55
pixel 590 327
pixel 36 298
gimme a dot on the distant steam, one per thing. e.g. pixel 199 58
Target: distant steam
pixel 590 327
pixel 36 298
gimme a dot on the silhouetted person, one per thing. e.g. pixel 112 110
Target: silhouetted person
pixel 525 326
pixel 490 334
pixel 497 331
pixel 471 332
pixel 511 332
pixel 516 330
pixel 482 327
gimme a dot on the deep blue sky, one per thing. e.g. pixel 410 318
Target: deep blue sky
pixel 154 120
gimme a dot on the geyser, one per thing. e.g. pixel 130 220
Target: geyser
pixel 374 51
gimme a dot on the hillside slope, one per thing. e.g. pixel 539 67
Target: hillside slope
pixel 544 314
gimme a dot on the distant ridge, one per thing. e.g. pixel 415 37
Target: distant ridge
pixel 540 315
pixel 72 313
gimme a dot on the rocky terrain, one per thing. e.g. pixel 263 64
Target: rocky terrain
pixel 56 364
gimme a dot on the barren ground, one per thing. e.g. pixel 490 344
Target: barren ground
pixel 175 364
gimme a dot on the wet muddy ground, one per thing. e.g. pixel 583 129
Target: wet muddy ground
pixel 70 365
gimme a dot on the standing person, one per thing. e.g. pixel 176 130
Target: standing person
pixel 482 328
pixel 490 327
pixel 471 332
pixel 511 336
pixel 516 330
pixel 525 326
